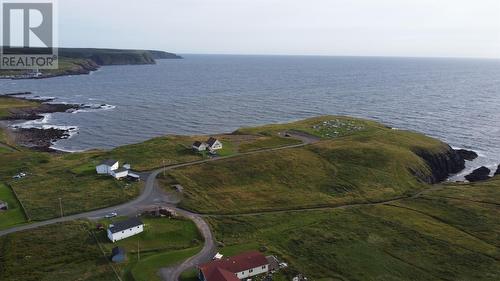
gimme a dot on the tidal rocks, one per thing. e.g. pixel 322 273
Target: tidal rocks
pixel 479 174
pixel 498 171
pixel 468 155
pixel 441 164
pixel 40 139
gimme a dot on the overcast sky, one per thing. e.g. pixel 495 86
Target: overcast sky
pixel 442 28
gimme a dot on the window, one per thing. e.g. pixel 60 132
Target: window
pixel 251 270
pixel 263 267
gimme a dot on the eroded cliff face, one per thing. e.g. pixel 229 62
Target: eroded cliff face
pixel 441 164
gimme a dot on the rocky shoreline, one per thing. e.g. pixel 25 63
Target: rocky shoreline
pixel 441 165
pixel 40 139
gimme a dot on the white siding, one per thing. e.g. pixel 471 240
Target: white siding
pixel 120 175
pixel 105 169
pixel 216 146
pixel 202 147
pixel 125 233
pixel 253 271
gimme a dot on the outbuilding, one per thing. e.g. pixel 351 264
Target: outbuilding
pixel 118 254
pixel 125 229
pixel 199 146
pixel 107 166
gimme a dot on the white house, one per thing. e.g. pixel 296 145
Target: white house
pixel 199 146
pixel 107 167
pixel 119 173
pixel 235 268
pixel 214 144
pixel 124 229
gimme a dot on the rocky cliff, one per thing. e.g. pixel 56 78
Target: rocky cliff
pixel 441 164
pixel 116 56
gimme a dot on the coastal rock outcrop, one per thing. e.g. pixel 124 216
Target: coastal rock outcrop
pixel 498 171
pixel 441 164
pixel 468 155
pixel 479 174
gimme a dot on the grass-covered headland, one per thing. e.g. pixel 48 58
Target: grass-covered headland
pixel 73 61
pixel 358 203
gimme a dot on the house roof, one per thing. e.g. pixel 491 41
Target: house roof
pixel 109 162
pixel 211 141
pixel 126 224
pixel 220 274
pixel 226 268
pixel 197 143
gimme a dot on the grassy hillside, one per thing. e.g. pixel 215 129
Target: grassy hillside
pixel 426 238
pixel 14 215
pixel 56 252
pixel 367 164
pixel 70 251
pixel 7 103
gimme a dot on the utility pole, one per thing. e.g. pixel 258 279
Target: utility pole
pixel 60 206
pixel 138 252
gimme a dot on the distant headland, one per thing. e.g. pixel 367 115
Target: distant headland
pixel 75 61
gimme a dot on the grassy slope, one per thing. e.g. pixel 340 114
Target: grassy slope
pixel 370 164
pixel 7 103
pixel 52 176
pixel 69 252
pixel 171 150
pixel 57 252
pixel 14 215
pixel 428 238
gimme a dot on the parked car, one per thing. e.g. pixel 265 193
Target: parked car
pixel 111 215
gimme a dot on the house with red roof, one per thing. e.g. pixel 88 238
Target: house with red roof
pixel 234 268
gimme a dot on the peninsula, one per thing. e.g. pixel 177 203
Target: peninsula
pixel 330 197
pixel 74 61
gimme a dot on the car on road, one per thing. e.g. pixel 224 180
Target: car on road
pixel 111 215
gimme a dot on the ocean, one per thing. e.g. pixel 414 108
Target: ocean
pixel 455 100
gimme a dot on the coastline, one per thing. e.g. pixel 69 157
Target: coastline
pixel 41 138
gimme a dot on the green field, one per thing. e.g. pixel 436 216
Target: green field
pixel 147 268
pixel 170 150
pixel 69 251
pixel 56 252
pixel 427 238
pixel 368 165
pixel 14 215
pixel 7 103
pixel 159 234
pixel 66 176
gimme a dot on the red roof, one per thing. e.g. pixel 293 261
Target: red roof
pixel 226 269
